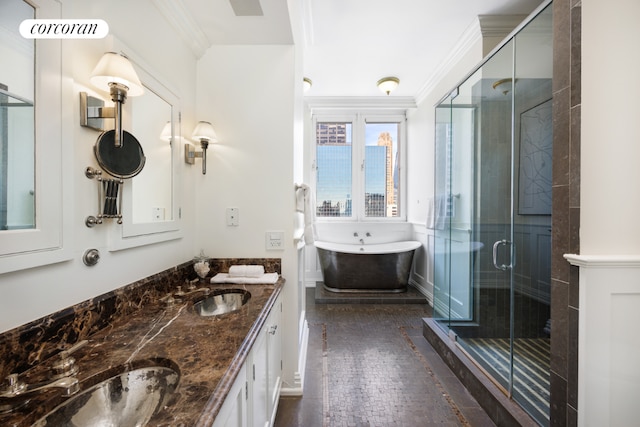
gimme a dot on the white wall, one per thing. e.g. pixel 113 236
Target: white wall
pixel 248 94
pixel 609 260
pixel 609 137
pixel 30 294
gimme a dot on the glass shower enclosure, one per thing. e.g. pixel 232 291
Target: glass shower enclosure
pixel 492 214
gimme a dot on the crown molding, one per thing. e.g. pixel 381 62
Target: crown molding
pixel 499 25
pixel 360 102
pixel 483 27
pixel 307 23
pixel 179 17
pixel 469 38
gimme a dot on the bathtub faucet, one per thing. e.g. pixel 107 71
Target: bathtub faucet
pixel 362 241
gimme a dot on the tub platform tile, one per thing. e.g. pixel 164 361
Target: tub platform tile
pixel 411 296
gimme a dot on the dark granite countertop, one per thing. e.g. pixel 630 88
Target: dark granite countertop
pixel 207 351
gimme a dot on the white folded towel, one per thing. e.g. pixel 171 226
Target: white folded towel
pixel 268 278
pixel 309 215
pixel 300 192
pixel 246 270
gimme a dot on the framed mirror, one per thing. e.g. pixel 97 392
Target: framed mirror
pixel 150 204
pixel 151 190
pixel 17 120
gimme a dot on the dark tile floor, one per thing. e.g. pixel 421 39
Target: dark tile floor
pixel 369 365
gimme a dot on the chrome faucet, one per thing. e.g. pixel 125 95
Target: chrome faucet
pixel 15 393
pixel 66 366
pixel 169 299
pixel 13 387
pixel 181 293
pixel 362 241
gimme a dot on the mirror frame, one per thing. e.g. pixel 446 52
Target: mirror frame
pixel 130 234
pixel 48 242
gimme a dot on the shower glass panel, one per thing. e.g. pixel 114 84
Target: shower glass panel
pixel 491 214
pixel 437 219
pixel 451 209
pixel 489 189
pixel 531 287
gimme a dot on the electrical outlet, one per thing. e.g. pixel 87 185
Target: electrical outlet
pixel 158 214
pixel 233 217
pixel 274 240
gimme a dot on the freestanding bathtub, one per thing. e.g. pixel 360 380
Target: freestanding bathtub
pixel 380 267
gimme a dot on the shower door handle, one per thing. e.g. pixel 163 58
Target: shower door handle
pixel 497 244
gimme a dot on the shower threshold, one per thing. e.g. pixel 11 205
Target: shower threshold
pixel 532 359
pixel 500 408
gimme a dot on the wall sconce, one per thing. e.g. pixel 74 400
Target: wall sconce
pixel 204 133
pixel 306 84
pixel 115 72
pixel 388 84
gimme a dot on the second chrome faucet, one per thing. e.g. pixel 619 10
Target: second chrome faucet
pixel 15 392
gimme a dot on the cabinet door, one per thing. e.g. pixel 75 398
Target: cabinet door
pixel 258 381
pixel 233 412
pixel 274 358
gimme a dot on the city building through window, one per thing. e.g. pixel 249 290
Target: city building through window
pixel 357 165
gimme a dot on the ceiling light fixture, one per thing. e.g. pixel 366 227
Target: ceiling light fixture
pixel 306 84
pixel 388 84
pixel 503 85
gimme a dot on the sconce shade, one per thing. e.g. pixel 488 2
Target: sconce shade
pixel 205 131
pixel 388 84
pixel 306 84
pixel 165 135
pixel 115 68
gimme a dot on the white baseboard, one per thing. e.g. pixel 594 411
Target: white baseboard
pixel 296 388
pixel 423 290
pixel 293 391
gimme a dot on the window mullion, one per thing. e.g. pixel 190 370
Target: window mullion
pixel 358 167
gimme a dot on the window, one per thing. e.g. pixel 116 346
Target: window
pixel 358 161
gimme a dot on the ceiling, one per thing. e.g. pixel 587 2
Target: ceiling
pixel 348 45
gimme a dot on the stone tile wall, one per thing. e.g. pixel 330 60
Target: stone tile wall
pixel 566 211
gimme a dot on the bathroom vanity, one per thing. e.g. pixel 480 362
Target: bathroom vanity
pixel 227 366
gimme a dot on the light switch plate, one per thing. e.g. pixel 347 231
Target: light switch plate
pixel 274 240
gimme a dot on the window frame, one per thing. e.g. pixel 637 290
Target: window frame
pixel 359 120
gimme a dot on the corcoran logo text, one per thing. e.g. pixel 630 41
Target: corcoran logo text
pixel 64 28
